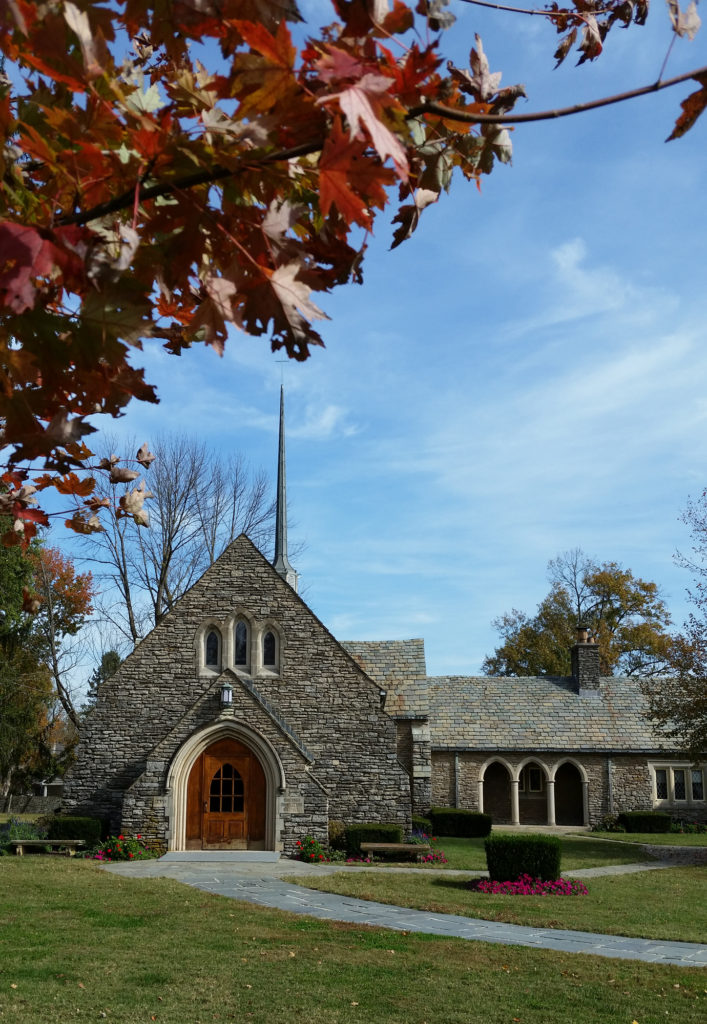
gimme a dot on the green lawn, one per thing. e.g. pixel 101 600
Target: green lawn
pixel 22 817
pixel 77 943
pixel 656 838
pixel 577 852
pixel 665 904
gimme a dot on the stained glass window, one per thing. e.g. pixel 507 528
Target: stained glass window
pixel 241 644
pixel 269 646
pixel 212 646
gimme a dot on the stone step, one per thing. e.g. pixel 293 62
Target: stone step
pixel 216 856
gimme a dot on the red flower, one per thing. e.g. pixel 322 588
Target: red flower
pixel 130 855
pixel 121 837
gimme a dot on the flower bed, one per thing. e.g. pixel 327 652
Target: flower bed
pixel 122 848
pixel 527 886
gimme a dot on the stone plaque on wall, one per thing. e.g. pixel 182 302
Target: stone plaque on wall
pixel 294 803
pixel 159 801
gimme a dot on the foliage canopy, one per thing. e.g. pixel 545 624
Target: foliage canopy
pixel 146 196
pixel 626 615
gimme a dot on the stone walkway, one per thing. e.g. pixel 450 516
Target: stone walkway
pixel 256 881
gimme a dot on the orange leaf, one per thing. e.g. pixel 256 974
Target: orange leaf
pixel 692 107
pixel 343 167
pixel 73 484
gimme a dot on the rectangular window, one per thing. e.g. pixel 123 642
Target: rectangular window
pixel 535 780
pixel 698 788
pixel 679 790
pixel 661 783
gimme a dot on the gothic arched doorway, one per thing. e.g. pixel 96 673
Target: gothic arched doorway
pixel 226 798
pixel 569 799
pixel 497 793
pixel 532 795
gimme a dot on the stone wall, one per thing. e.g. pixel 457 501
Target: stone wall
pixel 458 774
pixel 320 712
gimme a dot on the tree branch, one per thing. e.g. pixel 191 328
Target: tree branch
pixel 218 172
pixel 543 14
pixel 548 115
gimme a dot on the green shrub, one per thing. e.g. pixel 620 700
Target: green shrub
pixel 508 857
pixel 62 826
pixel 453 821
pixel 370 832
pixel 420 824
pixel 17 829
pixel 337 835
pixel 644 821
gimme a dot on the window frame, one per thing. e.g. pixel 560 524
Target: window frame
pixel 689 770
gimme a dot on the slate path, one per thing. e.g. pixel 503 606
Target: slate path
pixel 257 882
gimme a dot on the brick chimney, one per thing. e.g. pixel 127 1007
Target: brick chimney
pixel 585 663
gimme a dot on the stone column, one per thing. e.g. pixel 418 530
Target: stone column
pixel 585 801
pixel 480 794
pixel 550 801
pixel 515 809
pixel 456 780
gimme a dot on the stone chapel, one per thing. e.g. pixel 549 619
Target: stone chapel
pixel 240 722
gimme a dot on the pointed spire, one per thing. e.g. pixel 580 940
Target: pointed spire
pixel 281 562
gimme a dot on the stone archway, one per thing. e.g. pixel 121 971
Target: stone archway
pixel 569 795
pixel 497 793
pixel 532 794
pixel 226 761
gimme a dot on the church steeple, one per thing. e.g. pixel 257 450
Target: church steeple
pixel 281 562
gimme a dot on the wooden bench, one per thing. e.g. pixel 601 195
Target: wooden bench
pixel 416 850
pixel 70 845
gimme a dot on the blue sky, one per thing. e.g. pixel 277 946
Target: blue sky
pixel 526 375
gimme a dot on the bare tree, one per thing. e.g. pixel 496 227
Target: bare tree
pixel 198 504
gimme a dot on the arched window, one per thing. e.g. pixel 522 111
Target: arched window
pixel 211 659
pixel 241 654
pixel 269 650
pixel 226 791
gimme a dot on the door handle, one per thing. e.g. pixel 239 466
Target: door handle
pixel 206 805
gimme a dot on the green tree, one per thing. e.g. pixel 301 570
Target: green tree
pixel 679 704
pixel 626 615
pixel 110 663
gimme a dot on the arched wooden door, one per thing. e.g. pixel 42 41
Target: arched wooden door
pixel 226 799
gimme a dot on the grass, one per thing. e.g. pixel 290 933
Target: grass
pixel 649 904
pixel 22 817
pixel 577 852
pixel 656 838
pixel 77 943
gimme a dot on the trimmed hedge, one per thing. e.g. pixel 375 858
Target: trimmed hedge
pixel 453 821
pixel 644 821
pixel 370 832
pixel 508 857
pixel 421 824
pixel 337 835
pixel 64 827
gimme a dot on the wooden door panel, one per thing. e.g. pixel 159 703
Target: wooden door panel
pixel 226 797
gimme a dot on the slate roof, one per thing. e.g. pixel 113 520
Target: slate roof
pixel 399 668
pixel 498 713
pixel 539 713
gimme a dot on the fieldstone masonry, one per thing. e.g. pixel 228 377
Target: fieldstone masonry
pixel 356 731
pixel 319 713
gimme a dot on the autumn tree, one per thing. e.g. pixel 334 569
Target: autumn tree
pixel 198 503
pixel 60 605
pixel 149 198
pixel 625 614
pixel 679 704
pixel 28 711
